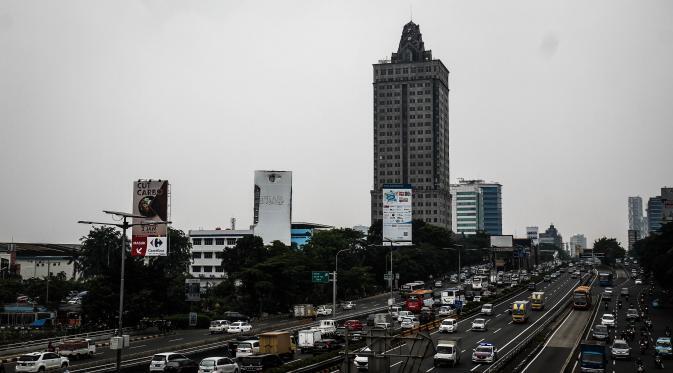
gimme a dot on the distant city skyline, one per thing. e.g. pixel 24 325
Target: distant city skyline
pixel 555 101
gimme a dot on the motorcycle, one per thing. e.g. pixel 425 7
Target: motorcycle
pixel 658 363
pixel 648 324
pixel 643 347
pixel 668 332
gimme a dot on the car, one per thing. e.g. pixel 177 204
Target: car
pixel 361 363
pixel 608 319
pixel 182 366
pixel 624 292
pixel 349 305
pixel 353 325
pixel 663 347
pixel 600 332
pixel 485 353
pixel 218 326
pixel 409 323
pixel 438 284
pixel 159 361
pixel 239 327
pixel 486 293
pixel 324 311
pixel 326 345
pixel 487 309
pixel 620 349
pixel 448 326
pixel 247 348
pixel 639 281
pixel 218 364
pixel 402 314
pixel 40 362
pixel 632 314
pixel 395 311
pixel 258 363
pixel 479 324
pixel 445 311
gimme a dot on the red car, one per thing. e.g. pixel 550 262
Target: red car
pixel 354 325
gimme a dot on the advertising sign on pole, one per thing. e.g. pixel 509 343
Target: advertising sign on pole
pixel 150 200
pixel 397 214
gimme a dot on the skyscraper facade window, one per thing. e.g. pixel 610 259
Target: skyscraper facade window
pixel 411 129
pixel 477 206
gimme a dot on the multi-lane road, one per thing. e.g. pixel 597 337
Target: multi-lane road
pixel 500 330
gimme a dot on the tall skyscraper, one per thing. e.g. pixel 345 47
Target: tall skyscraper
pixel 411 129
pixel 635 232
pixel 655 213
pixel 477 206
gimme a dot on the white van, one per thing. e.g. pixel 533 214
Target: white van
pixel 218 326
pixel 247 348
pixel 395 311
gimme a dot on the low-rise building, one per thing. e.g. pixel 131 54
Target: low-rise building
pixel 207 252
pixel 36 260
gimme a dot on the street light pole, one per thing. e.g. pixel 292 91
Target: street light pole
pixel 390 278
pixel 124 226
pixel 334 280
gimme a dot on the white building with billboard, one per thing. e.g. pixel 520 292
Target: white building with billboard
pixel 273 206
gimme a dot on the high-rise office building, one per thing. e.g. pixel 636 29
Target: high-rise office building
pixel 578 243
pixel 477 206
pixel 551 237
pixel 411 129
pixel 635 231
pixel 655 207
pixel 667 208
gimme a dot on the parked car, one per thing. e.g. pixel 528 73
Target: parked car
pixel 182 366
pixel 258 363
pixel 239 327
pixel 479 324
pixel 40 362
pixel 218 364
pixel 159 361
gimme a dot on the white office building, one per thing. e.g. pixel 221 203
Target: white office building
pixel 273 206
pixel 578 243
pixel 467 208
pixel 208 248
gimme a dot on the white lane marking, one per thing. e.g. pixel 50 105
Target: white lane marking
pixel 498 315
pixel 399 362
pixel 430 370
pixel 473 369
pixel 290 362
pixel 175 340
pixel 480 340
pixel 548 340
pixel 462 351
pixel 497 331
pixel 138 346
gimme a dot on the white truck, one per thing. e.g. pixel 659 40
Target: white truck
pixel 326 327
pixel 304 310
pixel 324 310
pixel 307 339
pixel 77 348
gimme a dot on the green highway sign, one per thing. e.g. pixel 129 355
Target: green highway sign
pixel 320 277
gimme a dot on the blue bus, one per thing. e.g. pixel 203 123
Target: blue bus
pixel 605 278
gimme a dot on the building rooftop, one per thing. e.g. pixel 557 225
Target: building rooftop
pixel 40 249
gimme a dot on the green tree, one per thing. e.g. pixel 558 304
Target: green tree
pixel 610 248
pixel 655 253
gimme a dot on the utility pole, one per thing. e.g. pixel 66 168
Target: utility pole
pixel 125 225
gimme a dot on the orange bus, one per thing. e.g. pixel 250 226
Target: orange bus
pixel 582 298
pixel 417 299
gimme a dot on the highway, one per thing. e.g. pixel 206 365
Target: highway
pixel 500 330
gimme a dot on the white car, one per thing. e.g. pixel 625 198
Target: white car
pixel 239 327
pixel 395 311
pixel 445 311
pixel 218 326
pixel 362 362
pixel 409 323
pixel 438 284
pixel 487 309
pixel 218 364
pixel 40 362
pixel 479 324
pixel 448 326
pixel 608 319
pixel 477 298
pixel 247 348
pixel 159 361
pixel 402 314
pixel 639 281
pixel 323 311
pixel 349 305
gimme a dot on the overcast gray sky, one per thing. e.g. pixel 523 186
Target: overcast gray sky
pixel 566 103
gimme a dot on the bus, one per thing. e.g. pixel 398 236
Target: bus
pixel 477 283
pixel 582 298
pixel 418 299
pixel 410 287
pixel 454 297
pixel 605 278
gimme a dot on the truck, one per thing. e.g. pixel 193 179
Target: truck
pixel 324 310
pixel 77 348
pixel 304 311
pixel 277 343
pixel 537 300
pixel 306 339
pixel 520 311
pixel 593 356
pixel 326 327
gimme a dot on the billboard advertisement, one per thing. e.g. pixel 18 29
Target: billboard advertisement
pixel 502 241
pixel 150 200
pixel 273 206
pixel 397 214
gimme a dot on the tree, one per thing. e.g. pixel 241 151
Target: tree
pixel 655 253
pixel 610 248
